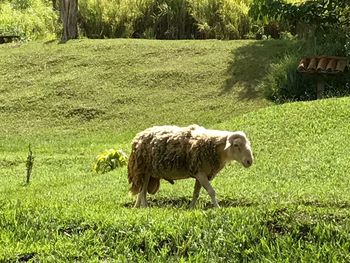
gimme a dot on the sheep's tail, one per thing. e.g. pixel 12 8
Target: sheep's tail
pixel 137 171
pixel 134 176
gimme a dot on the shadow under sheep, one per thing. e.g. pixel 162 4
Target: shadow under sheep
pixel 184 203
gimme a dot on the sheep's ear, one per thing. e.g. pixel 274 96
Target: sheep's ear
pixel 236 142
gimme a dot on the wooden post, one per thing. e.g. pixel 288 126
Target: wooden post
pixel 320 87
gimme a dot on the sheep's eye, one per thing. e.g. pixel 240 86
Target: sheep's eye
pixel 236 146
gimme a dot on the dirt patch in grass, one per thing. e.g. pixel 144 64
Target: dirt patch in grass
pixel 9 163
pixel 25 257
pixel 122 101
pixel 65 92
pixel 84 113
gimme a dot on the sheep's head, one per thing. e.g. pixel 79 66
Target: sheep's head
pixel 238 148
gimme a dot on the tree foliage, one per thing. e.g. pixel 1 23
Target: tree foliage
pixel 323 16
pixel 29 19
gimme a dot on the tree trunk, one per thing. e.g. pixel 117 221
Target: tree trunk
pixel 69 16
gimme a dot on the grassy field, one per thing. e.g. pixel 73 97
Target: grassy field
pixel 72 101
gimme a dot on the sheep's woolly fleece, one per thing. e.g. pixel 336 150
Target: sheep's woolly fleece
pixel 162 149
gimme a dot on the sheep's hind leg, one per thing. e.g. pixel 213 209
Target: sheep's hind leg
pixel 143 193
pixel 196 191
pixel 203 179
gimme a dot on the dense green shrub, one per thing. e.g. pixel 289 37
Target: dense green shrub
pixel 165 19
pixel 110 160
pixel 30 19
pixel 283 82
pixel 112 18
pixel 223 19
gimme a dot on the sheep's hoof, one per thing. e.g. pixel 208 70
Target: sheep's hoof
pixel 140 206
pixel 144 205
pixel 192 205
pixel 216 203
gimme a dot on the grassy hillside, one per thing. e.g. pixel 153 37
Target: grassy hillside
pixel 292 205
pixel 134 83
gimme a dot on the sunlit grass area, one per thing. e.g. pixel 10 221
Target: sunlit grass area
pixel 72 101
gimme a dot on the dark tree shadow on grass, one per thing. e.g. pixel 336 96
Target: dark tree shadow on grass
pixel 249 65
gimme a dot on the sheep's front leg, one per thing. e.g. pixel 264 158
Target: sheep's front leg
pixel 196 191
pixel 203 179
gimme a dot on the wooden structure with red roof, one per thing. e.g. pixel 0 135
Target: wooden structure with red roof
pixel 319 66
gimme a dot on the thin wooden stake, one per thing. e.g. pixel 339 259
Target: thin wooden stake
pixel 29 164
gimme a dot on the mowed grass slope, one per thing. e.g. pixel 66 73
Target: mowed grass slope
pixel 135 83
pixel 292 205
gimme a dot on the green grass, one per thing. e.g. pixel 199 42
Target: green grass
pixel 292 205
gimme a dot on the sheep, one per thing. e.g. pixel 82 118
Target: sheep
pixel 173 153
